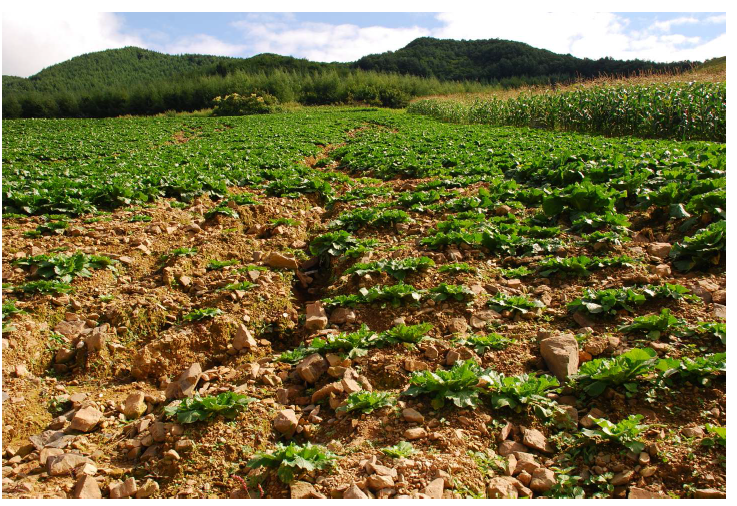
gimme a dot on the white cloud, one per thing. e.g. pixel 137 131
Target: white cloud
pixel 34 40
pixel 720 18
pixel 203 44
pixel 665 26
pixel 323 41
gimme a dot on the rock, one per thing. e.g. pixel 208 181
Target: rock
pixel 373 468
pixel 542 480
pixel 596 345
pixel 243 339
pixel 185 385
pixel 458 326
pixel 662 270
pixel 507 447
pixel 47 453
pixel 135 405
pixel 415 433
pixel 147 490
pixel 304 490
pixel 505 432
pixel 331 388
pixel 526 462
pixel 587 422
pixel 377 482
pixel 70 330
pixel 719 297
pixel 720 311
pixel 524 478
pixel 709 493
pixel 286 422
pixel 693 432
pixel 659 249
pixel 641 493
pixel 20 371
pixel 535 439
pixel 561 355
pixel 316 318
pixel 350 382
pixel 511 465
pixel 120 490
pixel 281 261
pixel 353 492
pixel 412 415
pixel 86 419
pixel 312 367
pixel 622 478
pixel 567 415
pixel 412 365
pixel 435 488
pixel 579 318
pixel 342 315
pixel 86 487
pixel 502 487
pixel 648 471
pixel 59 465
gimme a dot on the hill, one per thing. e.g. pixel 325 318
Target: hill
pixel 495 60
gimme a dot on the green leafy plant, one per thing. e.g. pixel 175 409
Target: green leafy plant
pixel 518 272
pixel 610 300
pixel 596 375
pixel 458 385
pixel 655 325
pixel 287 459
pixel 483 342
pixel 201 314
pixel 719 436
pixel 445 291
pixel 627 432
pixel 522 390
pixel 140 218
pixel 579 266
pixel 398 269
pixel 715 329
pixel 215 265
pixel 333 243
pixel 697 370
pixel 243 285
pixel 45 287
pixel 366 402
pixel 588 222
pixel 396 295
pixel 455 268
pixel 10 309
pixel 405 334
pixel 702 250
pixel 64 268
pixel 403 449
pixel 515 304
pixel 223 210
pixel 197 408
pixel 355 219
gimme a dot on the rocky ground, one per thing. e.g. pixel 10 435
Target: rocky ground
pixel 86 375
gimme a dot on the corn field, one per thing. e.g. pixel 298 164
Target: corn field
pixel 684 111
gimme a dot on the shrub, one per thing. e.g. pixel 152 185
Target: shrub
pixel 240 105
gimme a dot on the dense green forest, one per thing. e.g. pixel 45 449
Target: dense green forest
pixel 496 60
pixel 138 81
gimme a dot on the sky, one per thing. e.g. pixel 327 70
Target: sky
pixel 33 40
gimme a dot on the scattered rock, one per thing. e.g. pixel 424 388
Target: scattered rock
pixel 120 490
pixel 377 482
pixel 412 415
pixel 316 318
pixel 60 465
pixel 535 439
pixel 86 487
pixel 148 489
pixel 502 487
pixel 342 315
pixel 353 492
pixel 507 447
pixel 542 480
pixel 312 367
pixel 693 432
pixel 641 493
pixel 659 250
pixel 435 488
pixel 135 405
pixel 185 385
pixel 243 339
pixel 587 422
pixel 304 490
pixel 280 261
pixel 458 326
pixel 622 478
pixel 286 422
pixel 561 355
pixel 86 419
pixel 415 433
pixel 709 493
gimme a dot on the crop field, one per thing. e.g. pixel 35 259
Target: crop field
pixel 363 303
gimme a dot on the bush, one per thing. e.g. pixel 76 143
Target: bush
pixel 241 105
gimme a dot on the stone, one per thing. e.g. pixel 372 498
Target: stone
pixel 435 488
pixel 135 405
pixel 561 355
pixel 120 490
pixel 662 270
pixel 587 422
pixel 243 339
pixel 720 311
pixel 86 487
pixel 507 447
pixel 505 432
pixel 526 462
pixel 641 493
pixel 304 490
pixel 342 315
pixel 47 453
pixel 286 422
pixel 709 493
pixel 185 385
pixel 59 465
pixel 353 492
pixel 280 261
pixel 535 439
pixel 502 487
pixel 316 317
pixel 415 433
pixel 511 465
pixel 412 415
pixel 719 297
pixel 147 490
pixel 458 326
pixel 311 368
pixel 86 419
pixel 412 365
pixel 659 250
pixel 693 432
pixel 542 480
pixel 596 345
pixel 350 382
pixel 377 482
pixel 524 478
pixel 20 371
pixel 648 471
pixel 622 478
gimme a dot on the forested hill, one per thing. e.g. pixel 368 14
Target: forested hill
pixel 113 67
pixel 496 60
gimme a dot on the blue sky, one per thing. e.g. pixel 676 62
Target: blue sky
pixel 34 40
